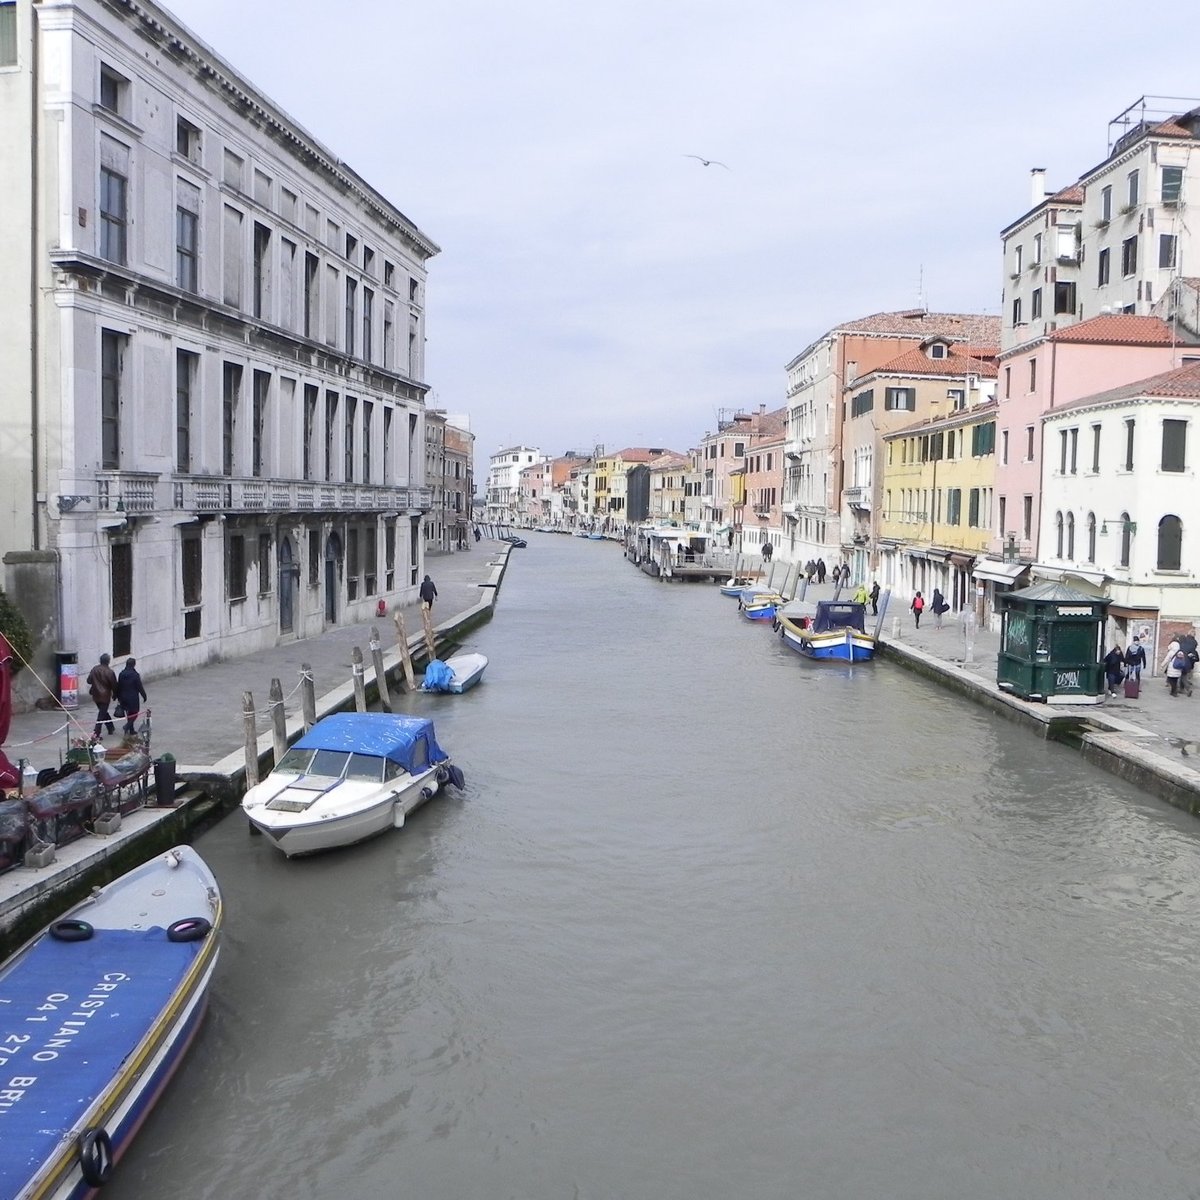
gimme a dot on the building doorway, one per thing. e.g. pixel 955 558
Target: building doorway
pixel 289 578
pixel 333 558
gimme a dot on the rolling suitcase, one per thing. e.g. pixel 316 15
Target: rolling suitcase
pixel 1133 686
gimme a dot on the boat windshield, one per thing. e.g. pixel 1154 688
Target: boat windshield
pixel 367 767
pixel 295 762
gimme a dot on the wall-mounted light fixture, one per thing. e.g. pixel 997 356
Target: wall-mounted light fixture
pixel 1127 526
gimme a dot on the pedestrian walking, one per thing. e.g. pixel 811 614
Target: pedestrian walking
pixel 1135 658
pixel 820 570
pixel 428 592
pixel 860 594
pixel 1173 665
pixel 939 606
pixel 1187 643
pixel 130 692
pixel 875 598
pixel 102 685
pixel 918 607
pixel 767 551
pixel 1114 668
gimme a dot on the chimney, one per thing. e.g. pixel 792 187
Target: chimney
pixel 1037 183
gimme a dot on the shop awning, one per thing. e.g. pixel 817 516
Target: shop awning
pixel 964 562
pixel 1000 572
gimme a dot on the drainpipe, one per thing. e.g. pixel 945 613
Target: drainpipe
pixel 34 292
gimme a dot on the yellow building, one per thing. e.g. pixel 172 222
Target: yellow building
pixel 939 479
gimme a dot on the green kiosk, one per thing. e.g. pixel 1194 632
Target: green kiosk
pixel 1052 644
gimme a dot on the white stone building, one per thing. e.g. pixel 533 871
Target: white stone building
pixel 503 499
pixel 1120 502
pixel 213 349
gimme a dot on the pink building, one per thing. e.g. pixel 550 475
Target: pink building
pixel 1080 360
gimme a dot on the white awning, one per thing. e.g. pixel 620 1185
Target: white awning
pixel 999 572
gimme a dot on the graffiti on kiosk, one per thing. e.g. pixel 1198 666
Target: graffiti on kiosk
pixel 1067 679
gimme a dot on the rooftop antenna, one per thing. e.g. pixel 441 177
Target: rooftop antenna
pixel 921 288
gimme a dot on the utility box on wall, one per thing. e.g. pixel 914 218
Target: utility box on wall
pixel 1051 644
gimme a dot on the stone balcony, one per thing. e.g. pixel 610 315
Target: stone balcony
pixel 148 494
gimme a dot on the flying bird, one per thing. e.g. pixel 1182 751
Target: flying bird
pixel 707 162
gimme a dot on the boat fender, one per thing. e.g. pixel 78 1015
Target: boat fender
pixel 456 776
pixel 95 1156
pixel 427 793
pixel 442 774
pixel 190 929
pixel 71 930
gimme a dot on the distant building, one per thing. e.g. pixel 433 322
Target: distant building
pixel 213 350
pixel 504 482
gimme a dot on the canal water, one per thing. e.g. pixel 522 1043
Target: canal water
pixel 709 921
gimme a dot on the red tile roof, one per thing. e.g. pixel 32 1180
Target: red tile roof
pixel 917 362
pixel 1069 195
pixel 957 327
pixel 1118 329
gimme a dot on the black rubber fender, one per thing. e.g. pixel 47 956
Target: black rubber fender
pixel 71 929
pixel 456 776
pixel 428 793
pixel 95 1156
pixel 443 773
pixel 190 929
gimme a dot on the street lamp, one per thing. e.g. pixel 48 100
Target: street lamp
pixel 1127 526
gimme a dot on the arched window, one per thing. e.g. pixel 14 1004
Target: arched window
pixel 1071 536
pixel 1126 539
pixel 1058 523
pixel 1170 543
pixel 1091 537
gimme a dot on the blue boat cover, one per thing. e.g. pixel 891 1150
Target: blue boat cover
pixel 839 614
pixel 385 735
pixel 70 1014
pixel 438 677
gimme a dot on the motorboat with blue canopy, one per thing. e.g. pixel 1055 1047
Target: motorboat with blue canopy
pixel 350 777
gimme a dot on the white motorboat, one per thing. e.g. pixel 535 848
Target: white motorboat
pixel 459 673
pixel 350 777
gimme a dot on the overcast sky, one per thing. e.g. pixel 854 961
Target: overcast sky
pixel 597 286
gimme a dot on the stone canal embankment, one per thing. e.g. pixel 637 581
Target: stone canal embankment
pixel 197 718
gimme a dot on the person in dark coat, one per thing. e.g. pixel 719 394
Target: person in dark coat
pixel 1114 669
pixel 1135 659
pixel 767 550
pixel 428 592
pixel 820 570
pixel 130 692
pixel 875 598
pixel 102 684
pixel 939 607
pixel 1187 643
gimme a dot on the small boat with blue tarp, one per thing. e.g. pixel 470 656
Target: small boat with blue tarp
pixel 350 777
pixel 736 586
pixel 457 674
pixel 96 1013
pixel 826 629
pixel 759 605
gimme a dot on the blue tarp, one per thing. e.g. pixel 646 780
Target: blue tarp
pixel 70 1014
pixel 839 614
pixel 438 677
pixel 385 735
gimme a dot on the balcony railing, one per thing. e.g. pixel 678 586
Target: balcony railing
pixel 145 493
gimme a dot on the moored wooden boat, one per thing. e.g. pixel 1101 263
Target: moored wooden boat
pixel 760 606
pixel 832 630
pixel 96 1013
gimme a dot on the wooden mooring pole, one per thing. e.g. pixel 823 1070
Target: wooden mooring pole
pixel 278 721
pixel 410 680
pixel 360 687
pixel 381 682
pixel 250 733
pixel 427 622
pixel 308 696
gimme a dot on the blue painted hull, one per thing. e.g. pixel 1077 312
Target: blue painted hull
pixel 94 1026
pixel 839 645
